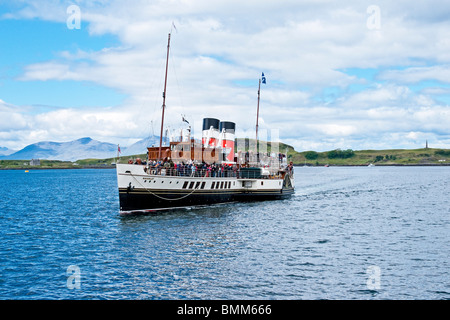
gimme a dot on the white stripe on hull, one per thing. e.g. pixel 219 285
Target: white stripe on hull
pixel 164 192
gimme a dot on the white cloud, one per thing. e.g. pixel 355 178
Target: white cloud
pixel 10 120
pixel 417 74
pixel 300 45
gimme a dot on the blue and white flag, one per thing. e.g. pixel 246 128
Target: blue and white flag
pixel 263 78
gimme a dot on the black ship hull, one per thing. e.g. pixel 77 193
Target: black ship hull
pixel 143 200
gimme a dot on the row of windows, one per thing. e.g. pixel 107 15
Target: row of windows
pixel 222 185
pixel 191 185
pixel 214 184
pixel 201 185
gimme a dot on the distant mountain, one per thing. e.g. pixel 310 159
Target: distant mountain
pixel 84 148
pixel 67 151
pixel 140 146
pixel 5 151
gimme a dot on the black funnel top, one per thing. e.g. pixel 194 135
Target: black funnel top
pixel 210 122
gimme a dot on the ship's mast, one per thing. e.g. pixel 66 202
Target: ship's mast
pixel 257 111
pixel 164 98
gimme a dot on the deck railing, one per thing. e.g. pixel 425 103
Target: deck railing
pixel 191 172
pixel 208 173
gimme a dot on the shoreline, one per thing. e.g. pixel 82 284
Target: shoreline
pixel 376 165
pixel 423 157
pixel 295 165
pixel 61 168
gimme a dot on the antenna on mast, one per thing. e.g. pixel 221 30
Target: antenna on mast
pixel 257 111
pixel 263 80
pixel 164 98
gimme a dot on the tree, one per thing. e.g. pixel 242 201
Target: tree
pixel 442 152
pixel 378 158
pixel 311 155
pixel 332 154
pixel 342 154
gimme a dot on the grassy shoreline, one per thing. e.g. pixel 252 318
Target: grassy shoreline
pixel 389 157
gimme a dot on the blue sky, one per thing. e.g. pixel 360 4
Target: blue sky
pixel 338 75
pixel 34 41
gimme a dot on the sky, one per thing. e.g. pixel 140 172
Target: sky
pixel 340 74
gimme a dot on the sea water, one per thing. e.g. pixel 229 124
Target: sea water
pixel 347 233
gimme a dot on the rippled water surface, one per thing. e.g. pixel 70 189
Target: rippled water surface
pixel 323 243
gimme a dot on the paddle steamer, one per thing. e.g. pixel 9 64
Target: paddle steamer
pixel 191 173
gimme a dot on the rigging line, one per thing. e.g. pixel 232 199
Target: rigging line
pixel 152 96
pixel 145 98
pixel 156 100
pixel 149 90
pixel 168 199
pixel 180 92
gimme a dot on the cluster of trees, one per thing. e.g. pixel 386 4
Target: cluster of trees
pixel 340 154
pixel 311 155
pixel 442 152
pixel 386 157
pixel 349 153
pixel 334 154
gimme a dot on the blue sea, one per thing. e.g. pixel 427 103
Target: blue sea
pixel 347 233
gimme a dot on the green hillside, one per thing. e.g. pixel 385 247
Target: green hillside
pixel 44 164
pixel 425 156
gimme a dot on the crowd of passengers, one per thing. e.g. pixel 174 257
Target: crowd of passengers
pixel 170 168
